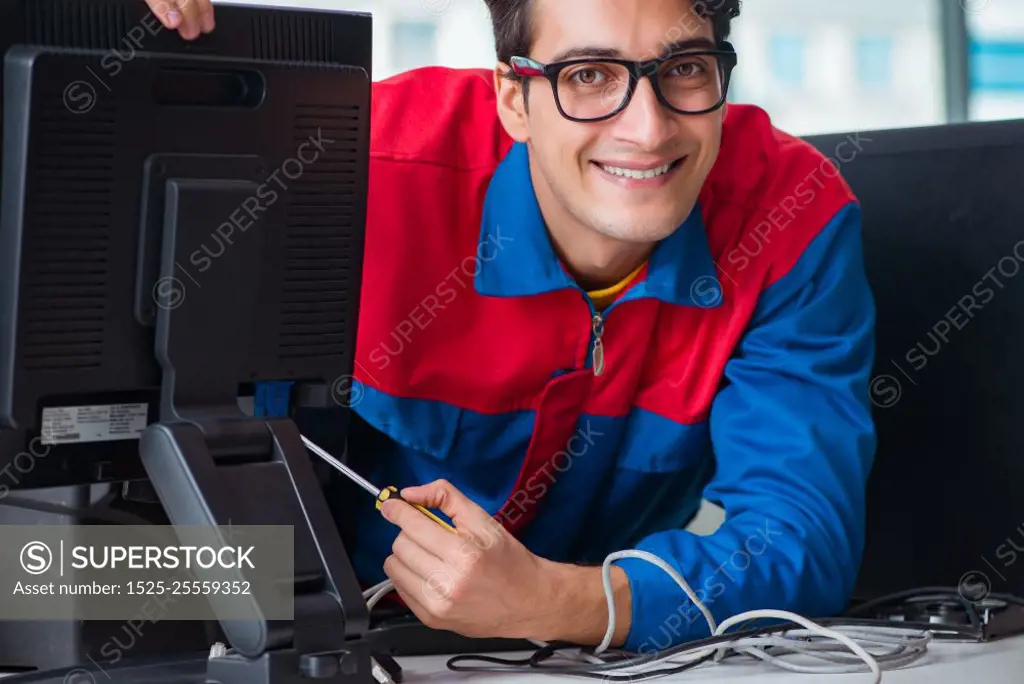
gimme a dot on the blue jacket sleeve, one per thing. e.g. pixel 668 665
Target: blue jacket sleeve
pixel 793 440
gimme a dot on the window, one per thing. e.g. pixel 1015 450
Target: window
pixel 413 45
pixel 996 61
pixel 997 66
pixel 874 62
pixel 787 55
pixel 842 65
pixel 814 66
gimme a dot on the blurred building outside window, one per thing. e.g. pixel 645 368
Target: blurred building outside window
pixel 788 59
pixel 996 49
pixel 874 61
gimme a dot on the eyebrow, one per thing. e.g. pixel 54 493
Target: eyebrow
pixel 690 44
pixel 612 53
pixel 588 51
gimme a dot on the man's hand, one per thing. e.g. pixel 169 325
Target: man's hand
pixel 189 17
pixel 482 582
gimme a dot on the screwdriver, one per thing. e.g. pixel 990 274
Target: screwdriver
pixel 381 495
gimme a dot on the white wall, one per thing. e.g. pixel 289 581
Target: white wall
pixel 464 38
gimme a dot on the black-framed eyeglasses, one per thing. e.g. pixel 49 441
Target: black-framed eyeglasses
pixel 595 89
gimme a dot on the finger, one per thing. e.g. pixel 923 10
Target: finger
pixel 166 11
pixel 421 529
pixel 445 496
pixel 191 16
pixel 419 592
pixel 415 557
pixel 418 608
pixel 206 14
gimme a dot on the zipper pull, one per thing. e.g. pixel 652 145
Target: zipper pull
pixel 598 325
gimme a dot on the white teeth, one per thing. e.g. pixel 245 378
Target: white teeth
pixel 637 174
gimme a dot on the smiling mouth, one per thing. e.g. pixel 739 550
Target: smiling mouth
pixel 640 174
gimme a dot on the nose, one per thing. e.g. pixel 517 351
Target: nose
pixel 645 122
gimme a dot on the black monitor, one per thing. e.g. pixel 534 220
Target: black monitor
pixel 88 146
pixel 944 241
pixel 181 220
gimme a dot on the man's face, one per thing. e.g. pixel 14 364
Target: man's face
pixel 635 177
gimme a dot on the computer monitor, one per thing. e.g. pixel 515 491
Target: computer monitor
pixel 944 246
pixel 179 221
pixel 87 143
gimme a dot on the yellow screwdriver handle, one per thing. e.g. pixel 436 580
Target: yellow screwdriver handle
pixel 392 493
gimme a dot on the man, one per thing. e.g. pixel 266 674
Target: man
pixel 588 302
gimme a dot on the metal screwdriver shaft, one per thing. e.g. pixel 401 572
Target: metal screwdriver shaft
pixel 345 470
pixel 381 495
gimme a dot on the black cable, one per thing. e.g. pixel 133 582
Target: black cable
pixel 592 670
pixel 922 592
pixel 903 596
pixel 974 632
pixel 604 670
pixel 549 651
pixel 607 670
pixel 486 659
pixel 937 630
pixel 651 674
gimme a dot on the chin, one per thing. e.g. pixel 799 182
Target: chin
pixel 627 228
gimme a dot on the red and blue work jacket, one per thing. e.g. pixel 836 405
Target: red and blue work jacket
pixel 736 365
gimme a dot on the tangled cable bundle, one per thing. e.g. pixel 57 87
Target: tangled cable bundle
pixel 833 646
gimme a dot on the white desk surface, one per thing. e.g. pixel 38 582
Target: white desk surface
pixel 999 662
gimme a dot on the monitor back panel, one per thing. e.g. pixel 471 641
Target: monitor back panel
pixel 944 241
pixel 74 193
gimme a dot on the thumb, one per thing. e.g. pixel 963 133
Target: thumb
pixel 443 495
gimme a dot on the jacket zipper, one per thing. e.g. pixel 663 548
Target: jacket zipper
pixel 597 325
pixel 597 320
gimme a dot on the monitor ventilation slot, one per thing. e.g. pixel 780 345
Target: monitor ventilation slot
pixel 291 37
pixel 77 23
pixel 67 235
pixel 322 215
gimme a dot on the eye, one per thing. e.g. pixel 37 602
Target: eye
pixel 586 76
pixel 686 69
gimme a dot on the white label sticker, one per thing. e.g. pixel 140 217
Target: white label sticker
pixel 107 423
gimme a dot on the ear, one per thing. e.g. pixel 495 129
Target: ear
pixel 511 108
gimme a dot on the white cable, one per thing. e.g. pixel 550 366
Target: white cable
pixel 367 593
pixel 841 665
pixel 908 647
pixel 813 626
pixel 606 578
pixel 373 595
pixel 842 651
pixel 906 650
pixel 377 592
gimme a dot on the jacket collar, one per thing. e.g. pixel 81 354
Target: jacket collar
pixel 518 259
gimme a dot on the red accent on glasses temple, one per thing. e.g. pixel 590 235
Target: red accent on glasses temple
pixel 527 71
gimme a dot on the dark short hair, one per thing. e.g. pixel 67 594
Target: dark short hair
pixel 513 29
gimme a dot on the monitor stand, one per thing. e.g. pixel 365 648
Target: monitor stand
pixel 213 465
